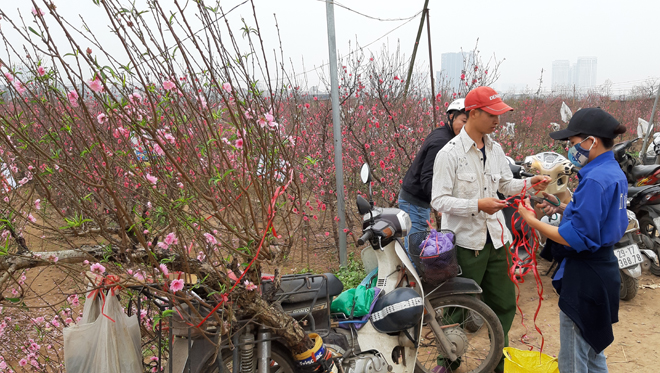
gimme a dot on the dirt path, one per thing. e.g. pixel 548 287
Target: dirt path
pixel 636 335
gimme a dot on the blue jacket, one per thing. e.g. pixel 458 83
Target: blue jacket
pixel 588 277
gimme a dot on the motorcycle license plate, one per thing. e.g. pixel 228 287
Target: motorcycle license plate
pixel 628 256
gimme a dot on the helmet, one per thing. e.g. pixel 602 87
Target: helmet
pixel 456 105
pixel 398 310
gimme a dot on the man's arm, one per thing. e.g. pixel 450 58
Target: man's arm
pixel 444 177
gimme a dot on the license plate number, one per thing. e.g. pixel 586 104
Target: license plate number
pixel 628 256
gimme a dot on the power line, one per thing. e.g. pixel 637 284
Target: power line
pixel 371 17
pixel 362 47
pixel 198 31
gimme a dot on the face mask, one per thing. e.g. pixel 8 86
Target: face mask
pixel 579 156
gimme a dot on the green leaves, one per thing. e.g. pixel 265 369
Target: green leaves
pixel 310 161
pixel 352 274
pixel 75 222
pixel 34 32
pixel 158 318
pixel 218 177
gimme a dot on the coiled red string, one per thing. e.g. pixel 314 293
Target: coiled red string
pixel 521 240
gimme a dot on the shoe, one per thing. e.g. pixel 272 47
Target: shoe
pixel 439 369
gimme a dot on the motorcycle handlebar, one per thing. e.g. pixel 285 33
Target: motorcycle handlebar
pixel 526 174
pixel 365 237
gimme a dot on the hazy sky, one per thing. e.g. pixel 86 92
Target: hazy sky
pixel 529 35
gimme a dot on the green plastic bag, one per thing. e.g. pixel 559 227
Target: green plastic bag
pixel 353 302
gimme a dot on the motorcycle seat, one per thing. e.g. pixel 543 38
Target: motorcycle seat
pixel 639 172
pixel 306 288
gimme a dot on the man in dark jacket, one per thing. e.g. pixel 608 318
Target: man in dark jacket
pixel 415 193
pixel 596 218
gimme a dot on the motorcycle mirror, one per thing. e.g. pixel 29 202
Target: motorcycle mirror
pixel 365 173
pixel 363 206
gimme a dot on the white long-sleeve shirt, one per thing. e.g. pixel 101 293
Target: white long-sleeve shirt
pixel 460 179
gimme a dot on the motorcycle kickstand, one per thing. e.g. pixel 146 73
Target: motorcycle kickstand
pixel 444 346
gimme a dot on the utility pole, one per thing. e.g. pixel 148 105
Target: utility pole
pixel 650 129
pixel 428 30
pixel 419 35
pixel 336 129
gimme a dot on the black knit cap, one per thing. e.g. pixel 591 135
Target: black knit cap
pixel 589 121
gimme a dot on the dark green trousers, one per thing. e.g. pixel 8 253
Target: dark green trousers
pixel 489 269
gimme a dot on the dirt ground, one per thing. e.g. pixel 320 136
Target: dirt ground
pixel 636 335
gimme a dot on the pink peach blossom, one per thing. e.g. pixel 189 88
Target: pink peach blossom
pixel 95 85
pixel 176 285
pixel 168 85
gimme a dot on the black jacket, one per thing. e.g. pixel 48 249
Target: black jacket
pixel 418 182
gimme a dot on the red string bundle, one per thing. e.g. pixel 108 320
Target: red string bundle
pixel 521 240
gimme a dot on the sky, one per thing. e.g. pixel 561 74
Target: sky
pixel 527 35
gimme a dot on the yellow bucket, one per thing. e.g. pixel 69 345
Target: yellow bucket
pixel 519 361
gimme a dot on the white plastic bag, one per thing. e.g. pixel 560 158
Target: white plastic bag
pixel 97 344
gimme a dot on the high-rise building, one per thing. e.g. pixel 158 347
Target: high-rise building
pixel 585 74
pixel 580 75
pixel 451 68
pixel 561 75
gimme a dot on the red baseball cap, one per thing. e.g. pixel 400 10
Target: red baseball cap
pixel 486 99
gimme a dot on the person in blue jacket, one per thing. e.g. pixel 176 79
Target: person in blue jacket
pixel 588 277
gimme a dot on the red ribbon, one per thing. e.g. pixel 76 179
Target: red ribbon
pixel 520 240
pixel 102 284
pixel 271 213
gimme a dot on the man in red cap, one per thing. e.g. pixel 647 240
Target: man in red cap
pixel 467 174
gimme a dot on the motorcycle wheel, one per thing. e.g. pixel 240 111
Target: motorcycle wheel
pixel 647 226
pixel 629 285
pixel 479 350
pixel 280 362
pixel 655 269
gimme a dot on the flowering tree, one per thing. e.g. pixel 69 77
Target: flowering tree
pixel 166 158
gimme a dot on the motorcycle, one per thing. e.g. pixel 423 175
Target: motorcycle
pixel 644 202
pixel 628 254
pixel 637 175
pixel 550 164
pixel 643 197
pixel 652 151
pixel 412 326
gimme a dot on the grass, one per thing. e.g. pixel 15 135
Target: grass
pixel 352 274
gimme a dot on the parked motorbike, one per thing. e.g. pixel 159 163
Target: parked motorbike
pixel 652 151
pixel 412 327
pixel 637 175
pixel 644 202
pixel 627 252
